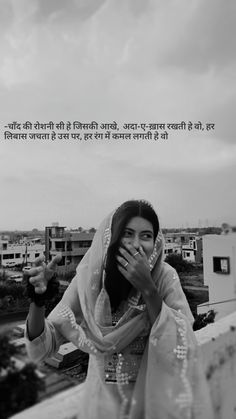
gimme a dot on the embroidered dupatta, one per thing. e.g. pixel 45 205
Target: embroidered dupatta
pixel 170 383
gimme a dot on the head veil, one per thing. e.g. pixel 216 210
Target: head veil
pixel 169 373
pixel 91 319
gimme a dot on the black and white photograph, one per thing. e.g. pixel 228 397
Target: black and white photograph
pixel 117 209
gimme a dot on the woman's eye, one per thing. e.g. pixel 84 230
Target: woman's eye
pixel 147 236
pixel 127 234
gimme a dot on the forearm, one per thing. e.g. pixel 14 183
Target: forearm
pixel 153 302
pixel 36 321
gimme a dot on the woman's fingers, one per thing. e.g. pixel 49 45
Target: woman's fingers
pixel 34 271
pixel 122 261
pixel 124 272
pixel 130 256
pixel 40 288
pixel 54 262
pixel 126 255
pixel 36 278
pixel 38 283
pixel 141 251
pixel 42 273
pixel 50 269
pixel 130 253
pixel 39 261
pixel 38 267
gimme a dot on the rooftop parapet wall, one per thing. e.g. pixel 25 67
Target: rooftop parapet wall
pixel 218 344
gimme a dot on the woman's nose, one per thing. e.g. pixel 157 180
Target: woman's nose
pixel 136 242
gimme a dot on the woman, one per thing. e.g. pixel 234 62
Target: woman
pixel 126 308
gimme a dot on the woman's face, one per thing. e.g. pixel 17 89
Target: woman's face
pixel 139 232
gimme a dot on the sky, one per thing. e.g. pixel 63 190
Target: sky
pixel 143 61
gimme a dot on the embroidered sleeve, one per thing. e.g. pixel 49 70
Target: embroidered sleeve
pixel 45 345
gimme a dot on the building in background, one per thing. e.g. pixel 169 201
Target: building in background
pixel 72 245
pixel 189 245
pixel 12 255
pixel 192 252
pixel 219 268
pixel 172 247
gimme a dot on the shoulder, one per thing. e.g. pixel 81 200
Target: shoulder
pixel 168 279
pixel 170 272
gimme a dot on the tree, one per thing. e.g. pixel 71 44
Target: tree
pixel 92 230
pixel 3 275
pixel 179 263
pixel 18 388
pixel 204 319
pixel 11 288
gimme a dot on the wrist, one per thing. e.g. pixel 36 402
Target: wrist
pixel 150 292
pixel 40 300
pixel 35 306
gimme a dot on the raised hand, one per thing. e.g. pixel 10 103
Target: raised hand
pixel 41 274
pixel 134 266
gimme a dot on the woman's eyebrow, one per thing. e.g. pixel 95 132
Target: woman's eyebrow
pixel 143 231
pixel 147 231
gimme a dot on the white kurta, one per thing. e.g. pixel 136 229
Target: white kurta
pixel 168 383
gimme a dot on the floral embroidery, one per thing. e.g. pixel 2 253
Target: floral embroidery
pixel 153 341
pixel 141 307
pixel 107 235
pixel 156 251
pixel 133 301
pixel 175 276
pixel 66 312
pixel 122 379
pixel 184 399
pixel 95 283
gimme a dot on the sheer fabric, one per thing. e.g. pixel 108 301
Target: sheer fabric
pixel 169 383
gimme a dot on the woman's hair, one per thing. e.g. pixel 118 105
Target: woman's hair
pixel 116 285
